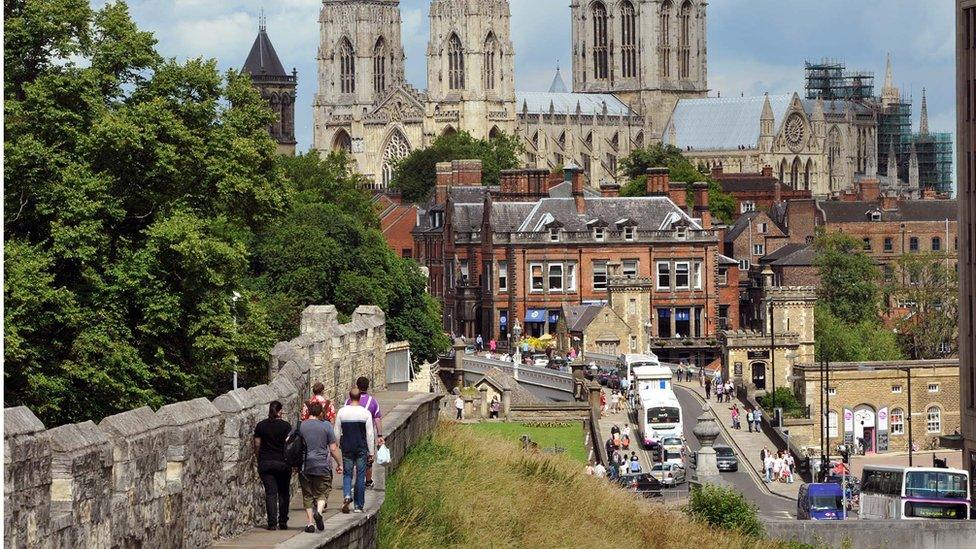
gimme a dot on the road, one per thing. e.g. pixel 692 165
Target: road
pixel 769 505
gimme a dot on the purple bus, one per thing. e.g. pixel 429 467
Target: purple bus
pixel 914 493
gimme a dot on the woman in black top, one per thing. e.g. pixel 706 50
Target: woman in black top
pixel 269 445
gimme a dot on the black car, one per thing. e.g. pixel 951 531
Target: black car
pixel 642 483
pixel 725 459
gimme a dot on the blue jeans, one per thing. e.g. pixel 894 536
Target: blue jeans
pixel 358 495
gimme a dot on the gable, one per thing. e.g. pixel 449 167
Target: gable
pixel 400 103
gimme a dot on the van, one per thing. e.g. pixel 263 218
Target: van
pixel 820 501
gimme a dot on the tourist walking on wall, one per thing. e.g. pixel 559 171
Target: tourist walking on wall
pixel 494 407
pixel 719 392
pixel 708 388
pixel 269 446
pixel 372 406
pixel 480 343
pixel 318 395
pixel 768 465
pixel 735 416
pixel 316 474
pixel 749 418
pixel 459 406
pixel 356 440
pixel 729 390
pixel 757 420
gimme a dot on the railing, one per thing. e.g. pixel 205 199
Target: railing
pixel 535 375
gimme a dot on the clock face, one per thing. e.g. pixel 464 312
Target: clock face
pixel 794 132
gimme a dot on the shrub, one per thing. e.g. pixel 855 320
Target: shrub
pixel 725 508
pixel 785 399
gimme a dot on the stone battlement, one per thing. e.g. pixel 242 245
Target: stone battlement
pixel 180 476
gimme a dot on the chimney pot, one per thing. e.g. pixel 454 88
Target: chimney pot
pixel 658 181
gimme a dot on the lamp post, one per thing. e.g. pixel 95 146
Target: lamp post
pixel 234 297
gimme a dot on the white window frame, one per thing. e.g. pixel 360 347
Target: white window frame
pixel 696 275
pixel 763 228
pixel 759 249
pixel 897 427
pixel 933 387
pixel 599 234
pixel 832 420
pixel 502 277
pixel 747 206
pixel 465 270
pixel 896 389
pixel 831 391
pixel 933 419
pixel 542 278
pixel 745 264
pixel 633 344
pixel 630 232
pixel 635 272
pixel 687 275
pixel 667 267
pixel 570 277
pixel 600 267
pixel 549 277
pixel 875 216
pixel 723 276
pixel 554 234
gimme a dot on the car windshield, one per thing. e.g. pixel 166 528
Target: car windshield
pixel 932 484
pixel 660 467
pixel 823 503
pixel 724 451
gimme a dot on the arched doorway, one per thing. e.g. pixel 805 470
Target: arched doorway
pixel 449 130
pixel 494 133
pixel 342 142
pixel 865 427
pixel 759 375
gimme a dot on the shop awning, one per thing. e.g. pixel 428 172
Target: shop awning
pixel 535 315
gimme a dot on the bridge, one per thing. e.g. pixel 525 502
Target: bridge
pixel 545 383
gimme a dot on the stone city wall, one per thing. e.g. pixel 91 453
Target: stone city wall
pixel 876 534
pixel 184 475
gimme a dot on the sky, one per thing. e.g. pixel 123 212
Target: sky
pixel 754 46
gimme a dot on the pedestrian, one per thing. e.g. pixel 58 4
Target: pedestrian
pixel 708 388
pixel 625 432
pixel 679 373
pixel 729 390
pixel 757 418
pixel 492 345
pixel 749 417
pixel 479 343
pixel 318 395
pixel 354 424
pixel 372 405
pixel 459 406
pixel 735 416
pixel 269 446
pixel 589 468
pixel 778 467
pixel 599 471
pixel 790 466
pixel 603 403
pixel 635 466
pixel 494 408
pixel 719 392
pixel 611 450
pixel 315 476
pixel 768 466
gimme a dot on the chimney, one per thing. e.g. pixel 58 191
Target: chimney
pixel 658 181
pixel 870 189
pixel 678 193
pixel 889 203
pixel 444 174
pixel 575 175
pixel 767 171
pixel 467 172
pixel 777 191
pixel 716 172
pixel 609 189
pixel 701 204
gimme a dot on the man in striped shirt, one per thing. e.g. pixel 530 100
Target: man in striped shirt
pixel 354 429
pixel 373 406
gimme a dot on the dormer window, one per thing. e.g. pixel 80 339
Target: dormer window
pixel 437 220
pixel 875 215
pixel 554 234
pixel 681 232
pixel 599 233
pixel 629 233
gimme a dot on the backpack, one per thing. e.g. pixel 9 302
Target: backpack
pixel 295 448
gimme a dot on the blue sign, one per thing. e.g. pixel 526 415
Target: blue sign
pixel 553 317
pixel 503 319
pixel 535 315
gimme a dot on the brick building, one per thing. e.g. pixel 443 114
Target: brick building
pixel 515 254
pixel 756 191
pixel 397 221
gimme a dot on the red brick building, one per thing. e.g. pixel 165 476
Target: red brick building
pixel 517 253
pixel 754 192
pixel 397 221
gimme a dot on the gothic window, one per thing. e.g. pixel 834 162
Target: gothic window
pixel 639 140
pixel 600 54
pixel 589 140
pixel 396 149
pixel 379 66
pixel 287 116
pixel 664 44
pixel 494 133
pixel 833 157
pixel 347 67
pixel 455 63
pixel 275 103
pixel 782 170
pixel 491 47
pixel 806 174
pixel 795 173
pixel 684 40
pixel 342 142
pixel 628 39
pixel 562 140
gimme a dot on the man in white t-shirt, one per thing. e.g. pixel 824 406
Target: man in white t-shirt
pixel 600 471
pixel 768 467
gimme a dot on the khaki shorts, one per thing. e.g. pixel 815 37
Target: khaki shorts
pixel 314 487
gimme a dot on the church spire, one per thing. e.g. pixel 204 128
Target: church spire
pixel 889 93
pixel 558 85
pixel 923 121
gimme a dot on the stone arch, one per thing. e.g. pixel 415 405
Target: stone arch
pixel 866 426
pixel 379 65
pixel 782 171
pixel 494 133
pixel 342 142
pixel 397 147
pixel 684 40
pixel 601 41
pixel 808 174
pixel 628 39
pixel 639 140
pixel 448 130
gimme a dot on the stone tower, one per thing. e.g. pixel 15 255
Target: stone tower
pixel 276 86
pixel 650 53
pixel 360 59
pixel 471 67
pixel 889 93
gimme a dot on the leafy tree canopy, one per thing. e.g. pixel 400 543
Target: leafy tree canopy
pixel 416 174
pixel 927 286
pixel 634 166
pixel 848 278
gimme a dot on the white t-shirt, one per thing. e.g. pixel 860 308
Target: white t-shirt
pixel 459 403
pixel 600 470
pixel 768 462
pixel 778 465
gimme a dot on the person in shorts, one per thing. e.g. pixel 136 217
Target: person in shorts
pixel 315 476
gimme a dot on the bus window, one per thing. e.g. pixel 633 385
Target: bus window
pixel 931 484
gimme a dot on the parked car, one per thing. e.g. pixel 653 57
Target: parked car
pixel 642 483
pixel 670 474
pixel 725 458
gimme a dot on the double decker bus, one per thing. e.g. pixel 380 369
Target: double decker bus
pixel 914 493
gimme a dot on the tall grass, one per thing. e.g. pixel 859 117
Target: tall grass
pixel 462 488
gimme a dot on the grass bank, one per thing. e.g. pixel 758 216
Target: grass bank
pixel 568 436
pixel 461 488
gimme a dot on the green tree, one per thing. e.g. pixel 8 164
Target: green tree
pixel 928 286
pixel 725 508
pixel 416 174
pixel 634 167
pixel 848 278
pixel 839 341
pixel 134 186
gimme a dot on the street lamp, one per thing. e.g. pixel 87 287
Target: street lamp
pixel 908 373
pixel 234 298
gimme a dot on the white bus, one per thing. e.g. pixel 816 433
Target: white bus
pixel 631 361
pixel 914 493
pixel 647 378
pixel 658 415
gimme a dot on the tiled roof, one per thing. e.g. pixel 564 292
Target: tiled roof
pixel 262 60
pixel 578 317
pixel 740 225
pixel 501 380
pixel 791 255
pixel 566 103
pixel 836 211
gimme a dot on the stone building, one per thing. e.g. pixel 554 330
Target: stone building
pixel 624 86
pixel 966 142
pixel 600 329
pixel 515 254
pixel 276 87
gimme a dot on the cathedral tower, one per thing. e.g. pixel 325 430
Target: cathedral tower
pixel 648 52
pixel 276 87
pixel 471 67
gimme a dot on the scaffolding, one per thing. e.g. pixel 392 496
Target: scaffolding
pixel 894 129
pixel 829 79
pixel 934 151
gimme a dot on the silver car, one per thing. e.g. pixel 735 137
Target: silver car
pixel 670 474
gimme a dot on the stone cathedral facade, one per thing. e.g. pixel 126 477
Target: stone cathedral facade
pixel 632 61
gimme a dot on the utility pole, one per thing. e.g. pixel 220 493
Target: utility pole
pixel 911 443
pixel 823 422
pixel 772 359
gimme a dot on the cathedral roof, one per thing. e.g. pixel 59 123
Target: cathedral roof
pixel 262 60
pixel 722 123
pixel 557 86
pixel 566 103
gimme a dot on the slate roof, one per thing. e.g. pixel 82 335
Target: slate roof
pixel 558 85
pixel 836 211
pixel 262 60
pixel 740 225
pixel 745 182
pixel 726 260
pixel 566 102
pixel 565 190
pixel 578 317
pixel 791 255
pixel 649 213
pixel 501 380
